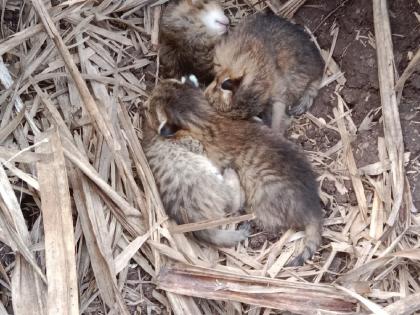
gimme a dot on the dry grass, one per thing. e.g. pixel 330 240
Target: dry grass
pixel 80 211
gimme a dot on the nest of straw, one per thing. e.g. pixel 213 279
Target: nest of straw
pixel 81 222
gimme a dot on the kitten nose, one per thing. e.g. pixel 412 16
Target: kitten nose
pixel 223 19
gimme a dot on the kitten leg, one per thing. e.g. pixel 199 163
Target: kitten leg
pixel 224 238
pixel 313 237
pixel 280 120
pixel 307 99
pixel 228 238
pixel 231 179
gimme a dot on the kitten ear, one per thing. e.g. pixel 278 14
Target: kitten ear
pixel 190 80
pixel 193 79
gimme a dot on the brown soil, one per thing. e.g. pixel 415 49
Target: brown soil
pixel 357 59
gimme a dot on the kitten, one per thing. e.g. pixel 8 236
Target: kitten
pixel 192 188
pixel 266 66
pixel 279 184
pixel 189 30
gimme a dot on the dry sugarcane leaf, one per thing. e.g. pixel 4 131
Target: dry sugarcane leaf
pixel 101 119
pixel 20 174
pixel 127 214
pixel 351 163
pixel 211 223
pixel 379 167
pixel 369 267
pixel 13 223
pixel 58 228
pixel 392 124
pixel 183 305
pixel 27 278
pixel 97 240
pixel 405 306
pixel 11 126
pixel 2 309
pixel 413 254
pixel 334 69
pixel 28 291
pixel 301 298
pixel 408 71
pixel 366 302
pixel 122 260
pixel 155 30
pixel 168 252
pixel 20 156
pixel 138 258
pixel 289 8
pixel 286 10
pixel 75 156
pixel 377 218
pixel 7 81
pixel 29 32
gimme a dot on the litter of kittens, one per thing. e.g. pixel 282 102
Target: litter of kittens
pixel 82 225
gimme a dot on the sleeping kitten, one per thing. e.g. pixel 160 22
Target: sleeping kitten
pixel 189 30
pixel 279 183
pixel 266 66
pixel 192 188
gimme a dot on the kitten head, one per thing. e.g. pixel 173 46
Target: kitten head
pixel 177 106
pixel 195 18
pixel 241 85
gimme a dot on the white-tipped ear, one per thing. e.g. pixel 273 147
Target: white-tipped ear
pixel 193 79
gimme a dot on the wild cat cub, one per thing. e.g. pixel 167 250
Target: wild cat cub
pixel 267 66
pixel 189 30
pixel 191 186
pixel 279 184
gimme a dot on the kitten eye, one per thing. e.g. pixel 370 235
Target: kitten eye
pixel 227 85
pixel 168 130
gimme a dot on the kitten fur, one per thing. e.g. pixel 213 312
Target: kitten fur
pixel 279 184
pixel 192 188
pixel 267 64
pixel 189 30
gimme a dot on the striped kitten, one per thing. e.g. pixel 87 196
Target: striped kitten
pixel 266 66
pixel 279 184
pixel 192 188
pixel 189 30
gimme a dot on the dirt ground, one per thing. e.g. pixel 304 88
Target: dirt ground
pixel 357 59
